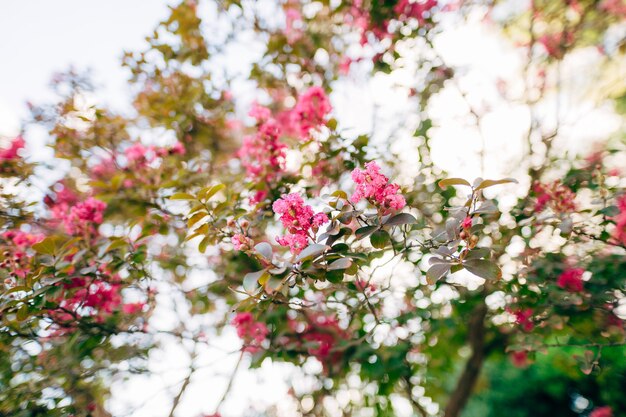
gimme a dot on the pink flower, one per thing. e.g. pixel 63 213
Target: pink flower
pixel 299 220
pixel 614 7
pixel 86 297
pixel 571 279
pixel 12 152
pixel 84 215
pixel 620 221
pixel 372 185
pixel 556 196
pixel 22 239
pixel 605 411
pixel 137 154
pixel 252 332
pixel 260 113
pixel 241 242
pixel 310 111
pixel 519 358
pixel 132 308
pixel 263 155
pixel 409 9
pixel 344 66
pixel 467 223
pixel 293 24
pixel 524 318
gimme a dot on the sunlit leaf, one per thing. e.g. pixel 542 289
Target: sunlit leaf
pixel 491 183
pixel 453 181
pixel 341 263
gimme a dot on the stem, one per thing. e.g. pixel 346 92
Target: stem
pixel 465 384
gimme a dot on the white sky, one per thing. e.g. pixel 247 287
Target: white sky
pixel 40 37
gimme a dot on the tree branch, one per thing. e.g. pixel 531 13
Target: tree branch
pixel 465 384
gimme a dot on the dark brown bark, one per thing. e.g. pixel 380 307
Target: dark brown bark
pixel 467 380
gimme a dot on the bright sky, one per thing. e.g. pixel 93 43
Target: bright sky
pixel 40 37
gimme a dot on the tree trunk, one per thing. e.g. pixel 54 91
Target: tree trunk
pixel 465 384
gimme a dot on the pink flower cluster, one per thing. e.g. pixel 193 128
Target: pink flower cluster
pixel 523 317
pixel 310 111
pixel 410 9
pixel 293 23
pixel 139 155
pixel 519 358
pixel 95 299
pixel 372 185
pixel 571 279
pixel 15 259
pixel 614 7
pixel 322 335
pixel 299 220
pixel 252 332
pixel 241 242
pixel 12 152
pixel 605 411
pixel 404 10
pixel 263 155
pixel 83 216
pixel 620 221
pixel 557 196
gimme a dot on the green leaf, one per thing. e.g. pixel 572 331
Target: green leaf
pixel 116 244
pixel 402 218
pixel 483 268
pixel 436 272
pixel 50 245
pixel 340 194
pixel 341 263
pixel 335 276
pixel 379 239
pixel 491 183
pixel 453 181
pixel 478 253
pixel 609 211
pixel 182 196
pixel 213 190
pixel 22 313
pixel 195 219
pixel 364 232
pixel 311 251
pixel 203 244
pixel 251 281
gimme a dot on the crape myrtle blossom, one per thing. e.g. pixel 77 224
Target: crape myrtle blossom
pixel 523 317
pixel 310 112
pixel 299 221
pixel 605 411
pixel 12 152
pixel 293 22
pixel 250 331
pixel 373 186
pixel 571 279
pixel 241 242
pixel 84 216
pixel 554 195
pixel 262 154
pixel 15 258
pixel 619 233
